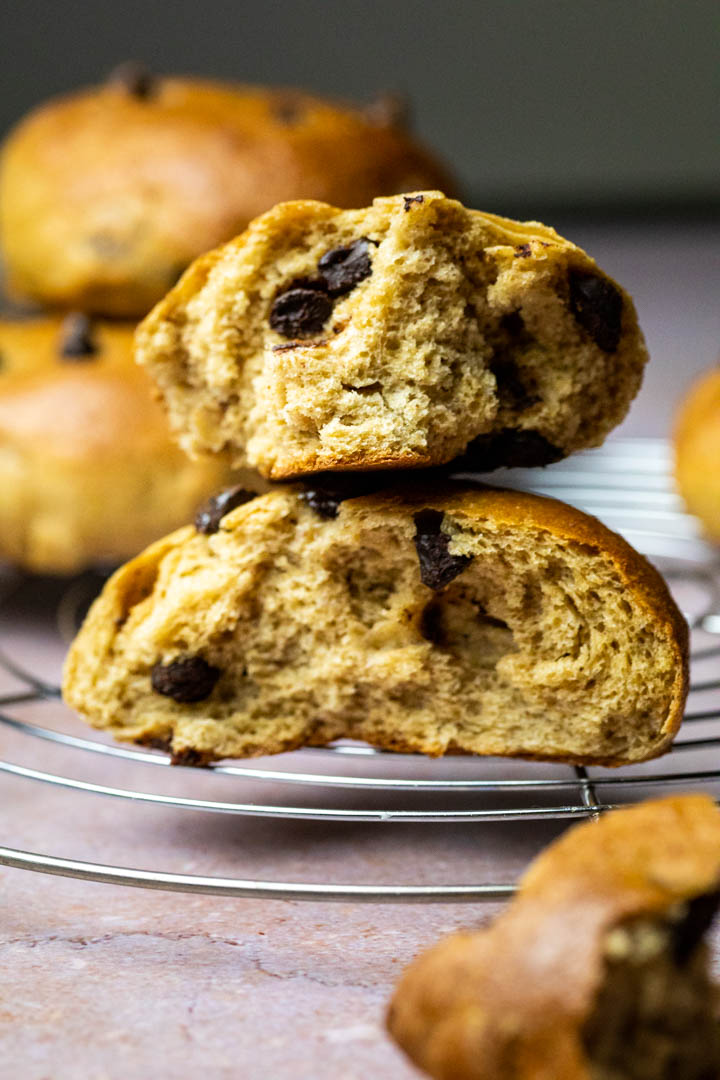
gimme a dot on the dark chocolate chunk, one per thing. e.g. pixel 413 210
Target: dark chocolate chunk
pixel 324 502
pixel 597 305
pixel 431 624
pixel 511 448
pixel 208 519
pixel 389 110
pixel 157 742
pixel 410 199
pixel 135 79
pixel 328 490
pixel 344 268
pixel 76 338
pixel 688 933
pixel 288 108
pixel 513 324
pixel 300 311
pixel 187 679
pixel 437 566
pixel 189 756
pixel 511 390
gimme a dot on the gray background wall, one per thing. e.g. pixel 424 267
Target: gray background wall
pixel 538 102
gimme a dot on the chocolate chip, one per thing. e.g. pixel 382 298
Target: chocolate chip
pixel 388 110
pixel 597 305
pixel 208 519
pixel 510 388
pixel 431 624
pixel 189 756
pixel 344 268
pixel 135 79
pixel 511 448
pixel 437 566
pixel 156 742
pixel 513 324
pixel 287 108
pixel 410 199
pixel 187 679
pixel 300 312
pixel 325 503
pixel 523 251
pixel 328 490
pixel 688 933
pixel 76 338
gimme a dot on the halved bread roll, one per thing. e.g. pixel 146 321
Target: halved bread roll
pixel 397 336
pixel 470 620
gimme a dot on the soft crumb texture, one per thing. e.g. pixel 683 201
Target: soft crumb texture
pixel 404 334
pixel 89 473
pixel 697 452
pixel 596 971
pixel 476 621
pixel 107 194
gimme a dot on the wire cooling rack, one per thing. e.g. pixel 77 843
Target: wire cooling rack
pixel 628 485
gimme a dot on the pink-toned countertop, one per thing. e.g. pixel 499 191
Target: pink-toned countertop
pixel 108 983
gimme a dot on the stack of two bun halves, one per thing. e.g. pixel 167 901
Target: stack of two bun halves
pixel 356 360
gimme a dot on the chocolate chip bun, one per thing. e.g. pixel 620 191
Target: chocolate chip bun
pixel 596 971
pixel 697 452
pixel 108 194
pixel 88 471
pixel 474 621
pixel 399 336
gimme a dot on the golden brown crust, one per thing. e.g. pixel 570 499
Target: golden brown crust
pixel 512 1000
pixel 106 224
pixel 697 451
pixel 88 470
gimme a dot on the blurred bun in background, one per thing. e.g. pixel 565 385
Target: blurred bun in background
pixel 88 471
pixel 697 451
pixel 107 194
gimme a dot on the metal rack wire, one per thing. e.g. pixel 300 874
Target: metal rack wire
pixel 627 484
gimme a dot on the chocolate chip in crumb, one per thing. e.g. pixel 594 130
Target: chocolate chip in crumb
pixel 208 519
pixel 185 680
pixel 511 448
pixel 76 338
pixel 689 932
pixel 410 199
pixel 513 324
pixel 300 312
pixel 437 566
pixel 325 503
pixel 597 305
pixel 188 756
pixel 344 268
pixel 329 490
pixel 135 79
pixel 156 742
pixel 431 624
pixel 510 388
pixel 523 251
